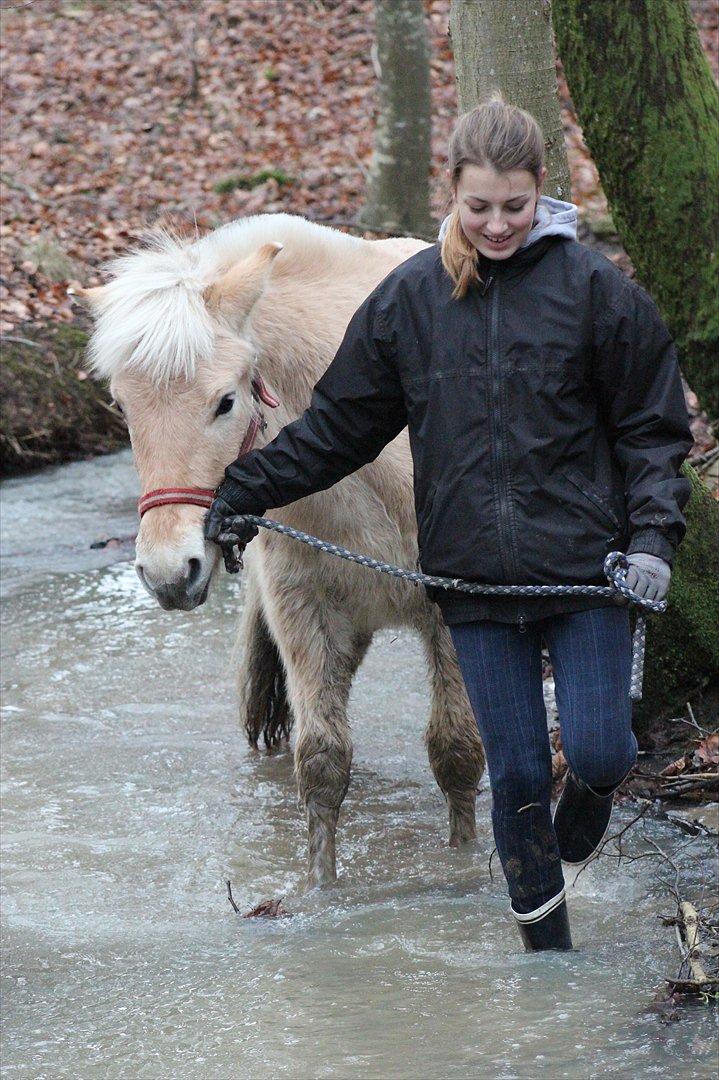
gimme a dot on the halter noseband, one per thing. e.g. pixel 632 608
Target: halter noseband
pixel 189 496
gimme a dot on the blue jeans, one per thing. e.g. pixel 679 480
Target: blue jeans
pixel 502 669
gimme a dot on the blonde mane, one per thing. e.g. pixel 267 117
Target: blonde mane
pixel 151 316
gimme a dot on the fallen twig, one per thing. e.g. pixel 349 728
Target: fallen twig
pixel 21 341
pixel 690 920
pixel 694 828
pixel 615 836
pixel 231 898
pixel 692 978
pixel 266 909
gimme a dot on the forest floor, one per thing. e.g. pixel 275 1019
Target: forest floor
pixel 206 111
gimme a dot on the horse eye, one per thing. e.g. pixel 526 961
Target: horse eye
pixel 225 405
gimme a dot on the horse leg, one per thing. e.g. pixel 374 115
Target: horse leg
pixel 452 740
pixel 321 651
pixel 264 708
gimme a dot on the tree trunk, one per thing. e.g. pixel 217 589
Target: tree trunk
pixel 398 184
pixel 508 46
pixel 649 109
pixel 682 661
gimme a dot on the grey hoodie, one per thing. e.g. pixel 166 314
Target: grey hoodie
pixel 553 217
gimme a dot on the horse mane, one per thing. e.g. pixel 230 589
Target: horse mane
pixel 151 316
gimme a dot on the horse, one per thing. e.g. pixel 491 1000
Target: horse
pixel 196 336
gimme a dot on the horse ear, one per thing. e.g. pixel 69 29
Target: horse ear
pixel 91 298
pixel 240 287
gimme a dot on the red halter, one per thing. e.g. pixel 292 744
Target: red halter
pixel 205 496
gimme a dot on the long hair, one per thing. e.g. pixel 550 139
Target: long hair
pixel 494 134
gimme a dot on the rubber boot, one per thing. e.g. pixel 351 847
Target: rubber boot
pixel 581 819
pixel 547 927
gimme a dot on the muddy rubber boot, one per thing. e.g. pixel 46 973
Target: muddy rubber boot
pixel 581 820
pixel 547 927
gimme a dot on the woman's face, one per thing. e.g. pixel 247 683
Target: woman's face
pixel 496 210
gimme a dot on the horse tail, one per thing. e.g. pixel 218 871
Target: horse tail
pixel 266 709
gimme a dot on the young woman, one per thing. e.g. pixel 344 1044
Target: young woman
pixel 547 424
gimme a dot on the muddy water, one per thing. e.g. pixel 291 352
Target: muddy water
pixel 130 797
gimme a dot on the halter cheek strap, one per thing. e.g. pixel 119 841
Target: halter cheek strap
pixel 190 496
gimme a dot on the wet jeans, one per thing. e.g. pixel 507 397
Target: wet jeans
pixel 502 669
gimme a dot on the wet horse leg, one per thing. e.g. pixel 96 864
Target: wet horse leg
pixel 453 743
pixel 321 651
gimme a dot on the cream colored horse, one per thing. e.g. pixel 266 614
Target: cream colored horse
pixel 181 331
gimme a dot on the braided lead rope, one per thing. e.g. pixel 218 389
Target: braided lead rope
pixel 615 569
pixel 639 641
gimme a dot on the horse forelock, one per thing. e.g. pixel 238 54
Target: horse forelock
pixel 151 317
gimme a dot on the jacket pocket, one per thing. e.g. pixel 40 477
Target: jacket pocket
pixel 594 495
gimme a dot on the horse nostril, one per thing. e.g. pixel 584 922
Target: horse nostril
pixel 194 573
pixel 140 571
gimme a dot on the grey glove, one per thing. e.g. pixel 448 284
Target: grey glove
pixel 648 576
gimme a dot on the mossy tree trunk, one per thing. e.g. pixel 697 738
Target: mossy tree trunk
pixel 649 109
pixel 508 46
pixel 398 184
pixel 682 661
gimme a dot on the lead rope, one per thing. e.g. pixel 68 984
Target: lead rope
pixel 615 569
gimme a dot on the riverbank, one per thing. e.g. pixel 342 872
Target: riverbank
pixel 51 409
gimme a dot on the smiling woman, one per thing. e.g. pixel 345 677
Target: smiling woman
pixel 496 190
pixel 497 210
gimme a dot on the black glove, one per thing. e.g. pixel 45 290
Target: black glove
pixel 224 526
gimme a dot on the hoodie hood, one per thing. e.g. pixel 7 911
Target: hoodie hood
pixel 553 217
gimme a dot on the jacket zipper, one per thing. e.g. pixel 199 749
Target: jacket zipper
pixel 501 462
pixel 499 454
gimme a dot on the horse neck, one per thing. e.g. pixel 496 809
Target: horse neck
pixel 291 372
pixel 298 335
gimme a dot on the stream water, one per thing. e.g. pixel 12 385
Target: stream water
pixel 130 797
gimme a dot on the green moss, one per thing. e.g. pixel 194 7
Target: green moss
pixel 649 109
pixel 247 183
pixel 682 661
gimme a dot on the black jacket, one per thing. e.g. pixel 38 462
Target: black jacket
pixel 546 419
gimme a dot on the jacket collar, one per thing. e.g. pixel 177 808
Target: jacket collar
pixel 515 266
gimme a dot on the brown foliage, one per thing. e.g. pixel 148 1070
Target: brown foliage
pixel 120 113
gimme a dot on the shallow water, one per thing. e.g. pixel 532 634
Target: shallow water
pixel 130 797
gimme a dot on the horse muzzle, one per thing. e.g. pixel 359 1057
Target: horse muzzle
pixel 183 593
pixel 174 561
